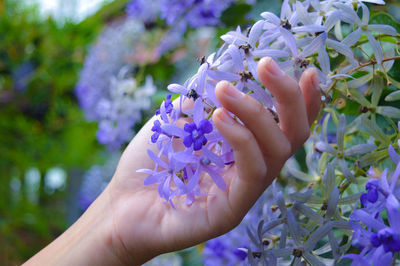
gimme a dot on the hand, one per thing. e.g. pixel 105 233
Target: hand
pixel 129 222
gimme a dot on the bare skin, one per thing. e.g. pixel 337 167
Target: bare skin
pixel 129 224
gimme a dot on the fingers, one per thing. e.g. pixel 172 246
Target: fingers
pixel 309 86
pixel 250 181
pixel 290 102
pixel 257 119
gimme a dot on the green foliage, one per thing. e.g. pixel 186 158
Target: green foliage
pixel 41 124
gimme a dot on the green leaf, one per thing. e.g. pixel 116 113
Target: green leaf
pixel 386 19
pixel 235 15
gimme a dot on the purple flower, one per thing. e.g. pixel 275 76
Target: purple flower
pixel 157 131
pixel 143 10
pixel 389 239
pixel 377 238
pixel 167 105
pixel 196 134
pixel 372 194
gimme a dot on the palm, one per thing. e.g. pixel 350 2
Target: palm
pixel 185 225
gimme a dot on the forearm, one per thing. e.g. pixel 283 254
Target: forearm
pixel 89 241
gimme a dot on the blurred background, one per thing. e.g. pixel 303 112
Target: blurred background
pixel 77 80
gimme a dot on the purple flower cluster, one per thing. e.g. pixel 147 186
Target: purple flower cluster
pixel 107 92
pixel 179 15
pixel 187 13
pixel 376 224
pixel 231 248
pixel 95 180
pixel 305 32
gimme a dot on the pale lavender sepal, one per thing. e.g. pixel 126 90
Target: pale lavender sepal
pixel 290 40
pixel 332 203
pixel 236 56
pixel 202 76
pixel 185 157
pixel 173 130
pixel 222 75
pixel 271 17
pixel 176 88
pixel 210 90
pixel 340 48
pixel 260 93
pixel 194 180
pixel 332 19
pixel 213 157
pixel 163 113
pixel 156 159
pixel 302 14
pixel 393 213
pixel 359 149
pixel 234 37
pixel 270 52
pixel 378 2
pixel 314 45
pixel 368 220
pixel 340 132
pixel 216 177
pixel 334 245
pixel 325 147
pixel 255 32
pixel 312 28
pixel 393 155
pixel 349 11
pixel 156 178
pixel 252 65
pixel 145 171
pixel 280 201
pixel 352 38
pixel 356 83
pixel 323 59
pixel 375 47
pixel 385 29
pixel 293 228
pixel 313 260
pixel 198 111
pixel 285 9
pixel 395 177
pixel 365 14
pixel 317 235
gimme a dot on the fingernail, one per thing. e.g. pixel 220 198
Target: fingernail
pixel 273 68
pixel 231 91
pixel 225 117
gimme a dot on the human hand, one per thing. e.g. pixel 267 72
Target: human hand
pixel 130 220
pixel 261 148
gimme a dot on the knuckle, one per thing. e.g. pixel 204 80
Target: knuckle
pixel 242 138
pixel 256 108
pixel 292 94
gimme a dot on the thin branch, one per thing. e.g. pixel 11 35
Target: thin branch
pixel 372 62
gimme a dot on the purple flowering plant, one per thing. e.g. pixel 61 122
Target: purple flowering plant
pixel 335 206
pixel 115 89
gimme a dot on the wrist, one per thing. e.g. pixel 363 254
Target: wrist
pixel 89 241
